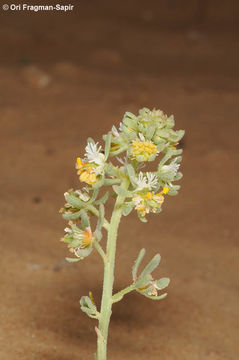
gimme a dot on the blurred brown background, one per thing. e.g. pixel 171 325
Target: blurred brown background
pixel 67 76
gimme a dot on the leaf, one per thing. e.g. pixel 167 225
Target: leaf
pixel 103 199
pixel 74 201
pixel 150 132
pixel 180 134
pixel 98 235
pixel 99 183
pixel 162 283
pixel 130 123
pixel 88 307
pixel 72 260
pixel 90 140
pixel 94 195
pixel 130 115
pixel 131 172
pixel 120 191
pixel 178 176
pixel 107 145
pixel 143 281
pixel 108 182
pixel 151 266
pixel 137 263
pixel 84 219
pixel 143 219
pixel 101 217
pixel 127 209
pixel 71 216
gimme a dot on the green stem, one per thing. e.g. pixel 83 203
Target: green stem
pixel 107 300
pixel 119 295
pixel 100 250
pixel 94 211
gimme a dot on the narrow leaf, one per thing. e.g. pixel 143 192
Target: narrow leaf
pixel 151 266
pixel 120 191
pixel 137 263
pixel 74 201
pixel 103 199
pixel 71 216
pixel 107 145
pixel 84 219
pixel 131 172
pixel 101 217
pixel 72 260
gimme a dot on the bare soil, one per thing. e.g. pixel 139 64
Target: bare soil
pixel 65 77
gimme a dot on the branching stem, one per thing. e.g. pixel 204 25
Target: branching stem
pixel 107 300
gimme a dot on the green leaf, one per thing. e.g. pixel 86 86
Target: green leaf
pixel 130 123
pixel 88 307
pixel 130 115
pixel 84 219
pixel 127 209
pixel 101 217
pixel 103 199
pixel 98 235
pixel 180 134
pixel 94 195
pixel 137 263
pixel 151 266
pixel 143 281
pixel 71 216
pixel 109 182
pixel 107 145
pixel 150 132
pixel 74 201
pixel 120 191
pixel 131 172
pixel 90 140
pixel 162 283
pixel 178 176
pixel 99 183
pixel 72 260
pixel 142 218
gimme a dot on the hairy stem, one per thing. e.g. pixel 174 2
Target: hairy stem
pixel 107 300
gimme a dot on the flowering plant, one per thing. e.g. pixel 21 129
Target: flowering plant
pixel 142 139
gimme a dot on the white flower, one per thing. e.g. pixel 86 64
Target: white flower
pixel 93 154
pixel 173 167
pixel 148 181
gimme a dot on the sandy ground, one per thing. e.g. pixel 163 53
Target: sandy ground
pixel 64 81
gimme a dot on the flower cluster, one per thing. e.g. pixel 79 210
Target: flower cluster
pixel 139 140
